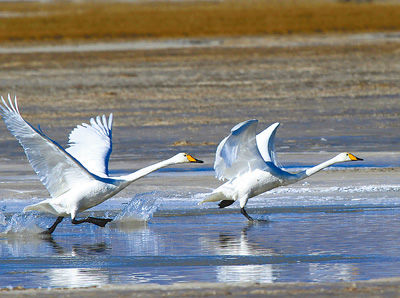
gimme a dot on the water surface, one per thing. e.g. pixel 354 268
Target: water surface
pixel 311 232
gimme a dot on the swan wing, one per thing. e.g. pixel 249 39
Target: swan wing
pixel 57 169
pixel 91 144
pixel 266 143
pixel 238 152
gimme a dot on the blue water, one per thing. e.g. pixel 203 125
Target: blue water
pixel 320 235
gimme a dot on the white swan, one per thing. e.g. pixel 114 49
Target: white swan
pixel 77 177
pixel 248 162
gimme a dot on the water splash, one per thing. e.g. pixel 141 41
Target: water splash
pixel 2 219
pixel 141 207
pixel 18 223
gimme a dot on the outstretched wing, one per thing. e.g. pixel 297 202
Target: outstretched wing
pixel 266 143
pixel 57 169
pixel 238 152
pixel 92 144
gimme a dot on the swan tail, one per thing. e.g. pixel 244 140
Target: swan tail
pixel 214 197
pixel 44 206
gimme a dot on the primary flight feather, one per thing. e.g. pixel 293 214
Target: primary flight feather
pixel 247 160
pixel 77 178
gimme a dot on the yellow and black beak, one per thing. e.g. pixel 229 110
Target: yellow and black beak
pixel 352 157
pixel 192 159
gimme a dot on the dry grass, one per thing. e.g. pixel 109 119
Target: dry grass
pixel 94 21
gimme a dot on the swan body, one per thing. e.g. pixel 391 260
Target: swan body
pixel 77 177
pixel 247 160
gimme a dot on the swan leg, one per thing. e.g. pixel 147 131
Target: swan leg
pixel 50 230
pixel 243 211
pixel 101 222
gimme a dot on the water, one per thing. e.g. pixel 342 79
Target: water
pixel 316 231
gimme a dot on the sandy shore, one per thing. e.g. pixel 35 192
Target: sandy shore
pixel 371 288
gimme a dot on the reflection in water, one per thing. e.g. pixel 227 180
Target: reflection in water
pixel 229 244
pixel 76 277
pixel 332 272
pixel 24 247
pixel 246 273
pixel 182 247
pixel 78 249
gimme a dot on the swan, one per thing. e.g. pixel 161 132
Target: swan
pixel 249 164
pixel 76 177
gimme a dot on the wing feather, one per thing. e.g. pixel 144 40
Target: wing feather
pixel 238 152
pixel 57 169
pixel 266 143
pixel 91 144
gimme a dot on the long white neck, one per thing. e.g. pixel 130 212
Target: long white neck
pixel 147 170
pixel 311 171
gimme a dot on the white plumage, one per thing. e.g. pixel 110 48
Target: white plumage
pixel 247 160
pixel 76 178
pixel 92 144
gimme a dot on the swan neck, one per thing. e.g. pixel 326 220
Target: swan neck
pixel 311 171
pixel 147 170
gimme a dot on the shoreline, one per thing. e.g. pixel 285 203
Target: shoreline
pixel 385 287
pixel 268 41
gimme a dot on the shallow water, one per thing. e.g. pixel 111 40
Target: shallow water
pixel 341 224
pixel 317 231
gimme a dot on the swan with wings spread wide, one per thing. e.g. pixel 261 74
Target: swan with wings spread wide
pixel 77 177
pixel 247 161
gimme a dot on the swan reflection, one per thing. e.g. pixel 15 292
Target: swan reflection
pixel 77 277
pixel 332 272
pixel 229 244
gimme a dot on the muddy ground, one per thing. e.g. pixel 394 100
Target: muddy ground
pixel 330 92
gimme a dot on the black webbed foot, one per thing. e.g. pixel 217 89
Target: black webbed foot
pixel 101 222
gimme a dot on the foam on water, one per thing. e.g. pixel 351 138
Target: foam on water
pixel 338 189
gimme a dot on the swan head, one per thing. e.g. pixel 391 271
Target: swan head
pixel 346 156
pixel 185 157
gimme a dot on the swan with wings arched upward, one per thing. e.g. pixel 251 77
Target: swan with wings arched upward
pixel 247 161
pixel 77 177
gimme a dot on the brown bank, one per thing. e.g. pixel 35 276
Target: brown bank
pixel 371 288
